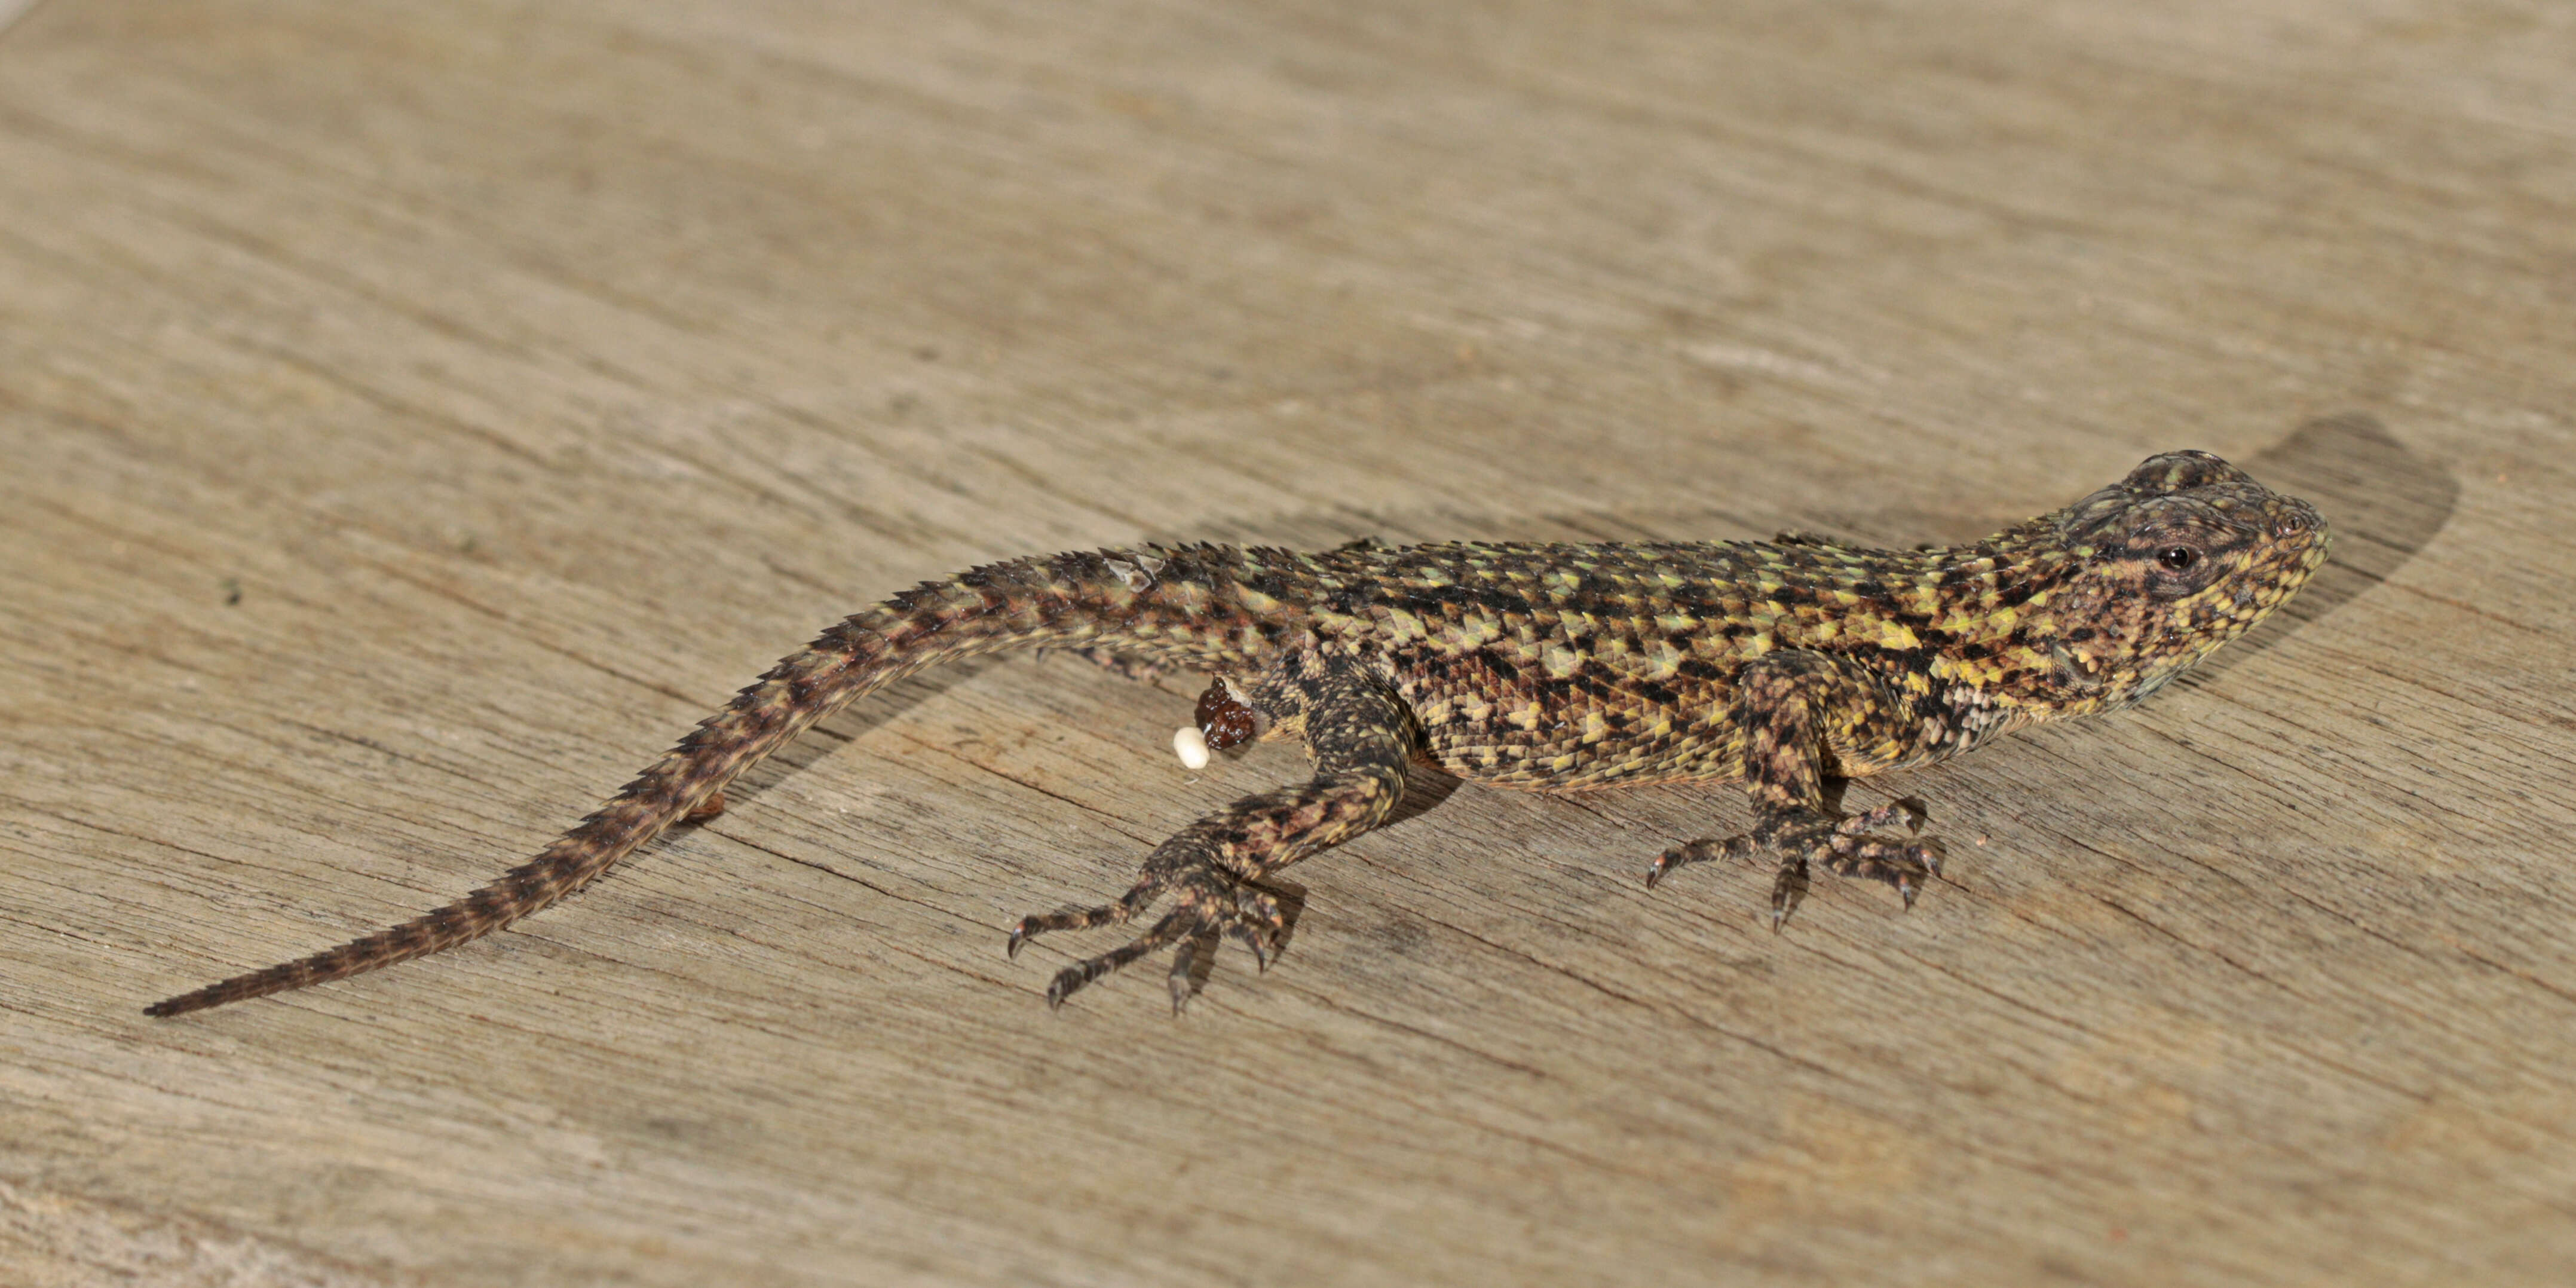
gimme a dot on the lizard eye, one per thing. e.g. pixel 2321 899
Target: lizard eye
pixel 2177 558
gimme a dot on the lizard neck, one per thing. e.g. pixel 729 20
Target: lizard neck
pixel 2010 627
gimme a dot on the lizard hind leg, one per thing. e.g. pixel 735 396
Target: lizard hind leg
pixel 1360 737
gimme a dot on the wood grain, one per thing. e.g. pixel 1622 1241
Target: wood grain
pixel 415 416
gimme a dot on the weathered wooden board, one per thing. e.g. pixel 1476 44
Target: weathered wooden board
pixel 414 416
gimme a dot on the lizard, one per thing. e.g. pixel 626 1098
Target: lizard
pixel 1790 665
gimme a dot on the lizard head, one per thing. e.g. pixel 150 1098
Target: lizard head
pixel 2165 566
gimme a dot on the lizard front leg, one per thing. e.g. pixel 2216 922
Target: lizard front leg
pixel 1798 709
pixel 1361 739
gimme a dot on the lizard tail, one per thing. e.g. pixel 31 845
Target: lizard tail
pixel 1152 600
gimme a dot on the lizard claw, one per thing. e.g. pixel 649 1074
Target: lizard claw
pixel 1687 852
pixel 1788 889
pixel 1037 924
pixel 1915 811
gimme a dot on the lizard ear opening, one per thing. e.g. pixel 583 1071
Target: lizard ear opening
pixel 2174 471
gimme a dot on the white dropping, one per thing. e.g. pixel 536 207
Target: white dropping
pixel 1191 746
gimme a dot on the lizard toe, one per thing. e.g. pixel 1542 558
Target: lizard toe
pixel 1208 909
pixel 1137 899
pixel 1072 979
pixel 1907 865
pixel 1699 851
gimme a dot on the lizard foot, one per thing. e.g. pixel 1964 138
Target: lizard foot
pixel 1210 908
pixel 1845 848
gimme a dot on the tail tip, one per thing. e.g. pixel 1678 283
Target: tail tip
pixel 184 1003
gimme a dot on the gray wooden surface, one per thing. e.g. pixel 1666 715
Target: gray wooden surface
pixel 414 416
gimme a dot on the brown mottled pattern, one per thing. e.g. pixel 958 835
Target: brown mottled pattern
pixel 1553 667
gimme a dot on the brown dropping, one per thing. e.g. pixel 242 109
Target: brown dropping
pixel 1224 721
